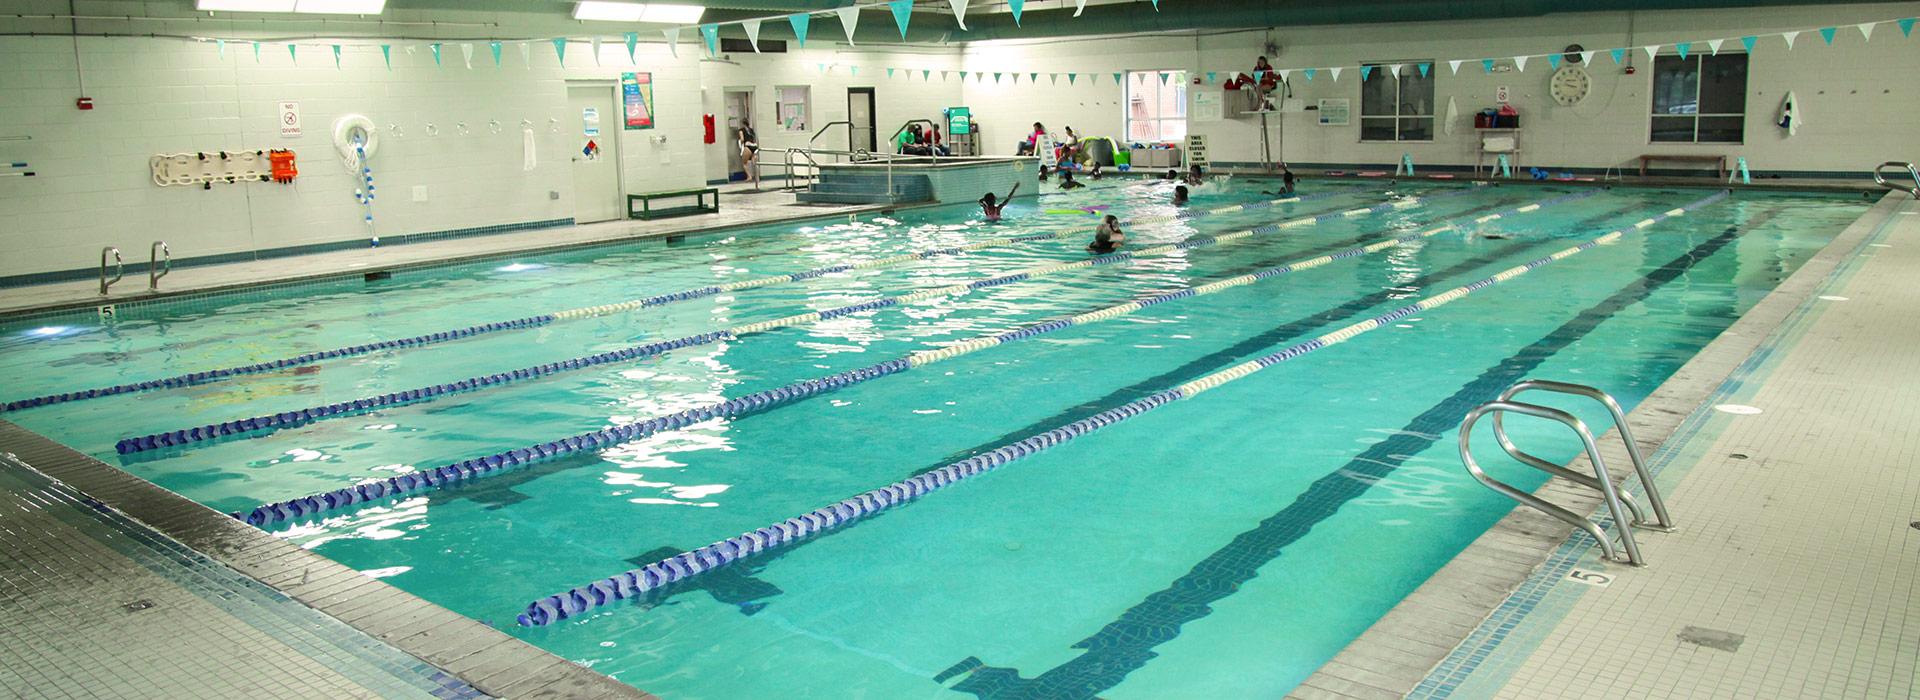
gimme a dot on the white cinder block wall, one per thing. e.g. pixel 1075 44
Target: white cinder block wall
pixel 1860 98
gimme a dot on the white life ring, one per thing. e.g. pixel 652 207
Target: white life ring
pixel 355 137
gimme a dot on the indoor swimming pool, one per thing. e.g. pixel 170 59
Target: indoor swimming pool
pixel 642 400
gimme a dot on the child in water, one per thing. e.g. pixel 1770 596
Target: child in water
pixel 990 207
pixel 1180 195
pixel 1195 177
pixel 1067 182
pixel 1171 174
pixel 1108 237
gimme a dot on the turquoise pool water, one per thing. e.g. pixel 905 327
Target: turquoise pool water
pixel 1219 547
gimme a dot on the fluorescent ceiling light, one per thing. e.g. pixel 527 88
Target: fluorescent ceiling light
pixel 316 7
pixel 673 14
pixel 340 7
pixel 609 11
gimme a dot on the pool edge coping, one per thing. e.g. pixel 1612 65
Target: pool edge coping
pixel 435 635
pixel 1398 651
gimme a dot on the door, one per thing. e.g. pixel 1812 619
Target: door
pixel 594 144
pixel 739 116
pixel 863 133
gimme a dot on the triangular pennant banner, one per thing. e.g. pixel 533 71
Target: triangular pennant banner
pixel 752 27
pixel 1015 6
pixel 673 41
pixel 1309 73
pixel 256 52
pixel 1454 66
pixel 1906 26
pixel 436 53
pixel 1520 63
pixel 336 57
pixel 1366 72
pixel 494 46
pixel 560 49
pixel 1156 5
pixel 996 78
pixel 1619 55
pixel 853 70
pixel 1486 65
pixel 1827 33
pixel 1425 68
pixel 959 12
pixel 386 54
pixel 963 75
pixel 593 45
pixel 1681 48
pixel 1396 70
pixel 1260 76
pixel 1866 30
pixel 1586 57
pixel 1749 42
pixel 293 53
pixel 223 48
pixel 1033 77
pixel 889 72
pixel 1553 61
pixel 1336 73
pixel 1118 78
pixel 526 55
pixel 850 18
pixel 1652 51
pixel 1163 77
pixel 466 53
pixel 1713 46
pixel 902 15
pixel 800 24
pixel 1079 6
pixel 711 33
pixel 633 40
pixel 926 74
pixel 1210 75
pixel 1789 36
pixel 1072 77
pixel 1284 74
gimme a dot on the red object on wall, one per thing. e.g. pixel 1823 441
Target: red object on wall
pixel 707 121
pixel 84 103
pixel 281 161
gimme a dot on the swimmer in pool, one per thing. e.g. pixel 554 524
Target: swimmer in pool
pixel 1171 174
pixel 1108 237
pixel 1067 182
pixel 990 206
pixel 1093 171
pixel 1195 177
pixel 1180 195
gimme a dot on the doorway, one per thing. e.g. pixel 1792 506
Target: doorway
pixel 739 104
pixel 595 152
pixel 863 134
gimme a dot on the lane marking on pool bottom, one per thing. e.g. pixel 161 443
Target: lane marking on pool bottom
pixel 459 472
pixel 254 426
pixel 577 601
pixel 539 320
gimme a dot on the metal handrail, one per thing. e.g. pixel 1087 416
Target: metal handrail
pixel 119 268
pixel 159 264
pixel 829 125
pixel 1913 172
pixel 1619 504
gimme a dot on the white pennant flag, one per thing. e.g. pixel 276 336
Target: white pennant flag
pixel 959 12
pixel 1395 69
pixel 849 18
pixel 673 41
pixel 1790 36
pixel 753 33
pixel 1652 51
pixel 526 54
pixel 466 53
pixel 1586 57
pixel 1336 74
pixel 1079 6
pixel 1455 66
pixel 1866 30
pixel 596 50
pixel 1520 63
pixel 1713 46
pixel 1284 74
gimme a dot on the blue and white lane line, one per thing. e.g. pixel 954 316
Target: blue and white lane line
pixel 310 506
pixel 250 427
pixel 577 601
pixel 536 321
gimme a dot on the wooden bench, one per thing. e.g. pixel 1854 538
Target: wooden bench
pixel 1719 162
pixel 700 205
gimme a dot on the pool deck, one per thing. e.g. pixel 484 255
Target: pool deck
pixel 1795 569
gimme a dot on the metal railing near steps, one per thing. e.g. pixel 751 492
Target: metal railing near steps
pixel 1619 503
pixel 1912 172
pixel 159 264
pixel 119 268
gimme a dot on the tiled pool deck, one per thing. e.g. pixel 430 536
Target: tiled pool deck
pixel 1795 571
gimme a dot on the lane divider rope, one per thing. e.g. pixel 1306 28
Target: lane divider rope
pixel 627 584
pixel 309 506
pixel 246 427
pixel 536 321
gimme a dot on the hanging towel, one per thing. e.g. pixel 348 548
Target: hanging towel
pixel 527 159
pixel 1453 115
pixel 1790 114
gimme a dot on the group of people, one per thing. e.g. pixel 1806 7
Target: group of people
pixel 915 141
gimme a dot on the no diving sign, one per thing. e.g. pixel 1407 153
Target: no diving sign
pixel 289 119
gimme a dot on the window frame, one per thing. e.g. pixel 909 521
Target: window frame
pixel 1698 61
pixel 1386 67
pixel 1175 75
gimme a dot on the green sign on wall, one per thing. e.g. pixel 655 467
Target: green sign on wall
pixel 636 100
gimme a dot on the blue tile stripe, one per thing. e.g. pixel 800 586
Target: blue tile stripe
pixel 310 506
pixel 626 584
pixel 203 377
pixel 250 427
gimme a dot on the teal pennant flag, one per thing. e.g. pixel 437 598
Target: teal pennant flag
pixel 1827 33
pixel 711 32
pixel 1016 5
pixel 800 24
pixel 902 14
pixel 1749 42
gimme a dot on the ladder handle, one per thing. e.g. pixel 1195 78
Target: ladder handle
pixel 1604 482
pixel 1652 492
pixel 1514 451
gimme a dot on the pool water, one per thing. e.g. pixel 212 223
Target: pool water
pixel 1224 546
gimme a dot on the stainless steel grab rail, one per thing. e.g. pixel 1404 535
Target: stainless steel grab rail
pixel 1619 504
pixel 1912 172
pixel 159 264
pixel 119 268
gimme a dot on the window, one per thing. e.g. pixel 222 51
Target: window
pixel 1156 106
pixel 1396 109
pixel 1700 99
pixel 790 105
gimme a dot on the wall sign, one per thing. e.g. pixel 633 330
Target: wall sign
pixel 289 119
pixel 1336 111
pixel 1208 106
pixel 636 100
pixel 589 121
pixel 1500 94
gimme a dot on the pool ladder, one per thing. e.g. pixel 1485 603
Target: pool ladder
pixel 1618 503
pixel 1912 172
